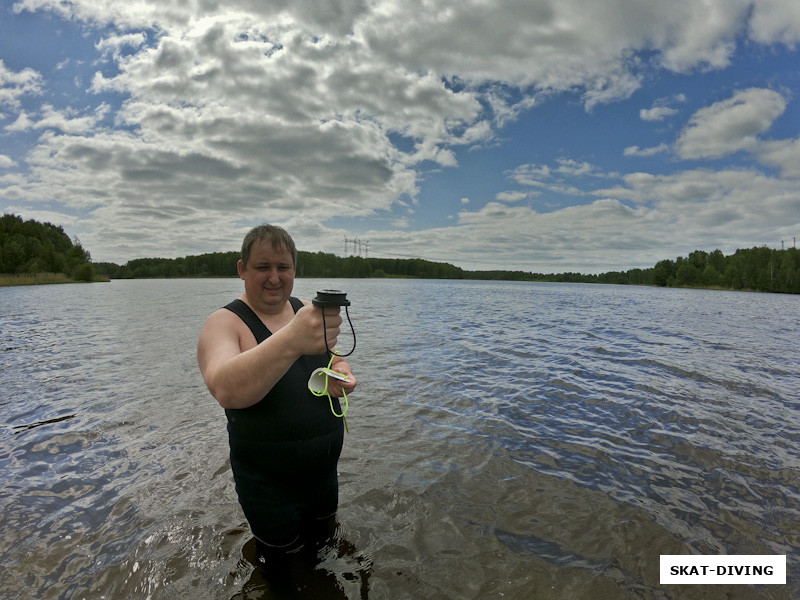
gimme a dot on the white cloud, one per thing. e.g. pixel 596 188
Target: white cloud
pixel 253 110
pixel 114 44
pixel 783 154
pixel 568 166
pixel 16 84
pixel 564 240
pixel 699 34
pixel 401 223
pixel 511 197
pixel 530 174
pixel 775 21
pixel 662 108
pixel 722 207
pixel 6 161
pixel 554 46
pixel 43 216
pixel 730 125
pixel 23 123
pixel 553 180
pixel 67 120
pixel 657 113
pixel 635 224
pixel 652 151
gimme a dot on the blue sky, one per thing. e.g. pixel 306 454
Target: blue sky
pixel 517 134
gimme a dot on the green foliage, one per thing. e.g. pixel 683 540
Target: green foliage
pixel 309 264
pixel 759 269
pixel 33 247
pixel 83 272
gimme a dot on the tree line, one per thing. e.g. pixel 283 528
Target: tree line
pixel 33 247
pixel 757 269
pixel 761 269
pixel 30 247
pixel 309 264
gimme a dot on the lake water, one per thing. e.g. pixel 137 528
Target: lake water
pixel 507 440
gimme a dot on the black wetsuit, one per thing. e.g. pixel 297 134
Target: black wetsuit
pixel 284 449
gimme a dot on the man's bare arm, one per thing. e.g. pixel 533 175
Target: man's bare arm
pixel 240 379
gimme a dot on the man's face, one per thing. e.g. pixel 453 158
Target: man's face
pixel 268 276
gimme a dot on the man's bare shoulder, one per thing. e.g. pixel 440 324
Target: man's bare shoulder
pixel 222 318
pixel 225 326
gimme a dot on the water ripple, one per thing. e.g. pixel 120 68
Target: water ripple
pixel 507 440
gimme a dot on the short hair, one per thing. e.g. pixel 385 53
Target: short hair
pixel 277 236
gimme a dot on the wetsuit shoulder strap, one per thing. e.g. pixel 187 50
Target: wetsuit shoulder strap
pixel 296 303
pixel 246 314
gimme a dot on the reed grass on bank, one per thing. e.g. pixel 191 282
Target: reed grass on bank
pixel 8 279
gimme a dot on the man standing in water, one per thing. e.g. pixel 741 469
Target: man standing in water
pixel 256 355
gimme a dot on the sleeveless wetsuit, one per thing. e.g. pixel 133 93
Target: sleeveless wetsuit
pixel 285 448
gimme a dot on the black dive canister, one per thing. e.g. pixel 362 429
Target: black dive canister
pixel 327 298
pixel 331 298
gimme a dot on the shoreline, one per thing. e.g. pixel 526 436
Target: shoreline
pixel 21 279
pixel 17 279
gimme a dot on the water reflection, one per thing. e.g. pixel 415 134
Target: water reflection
pixel 329 569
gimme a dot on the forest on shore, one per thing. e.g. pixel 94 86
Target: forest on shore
pixel 757 269
pixel 33 252
pixel 30 247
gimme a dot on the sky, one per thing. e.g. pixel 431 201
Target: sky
pixel 535 135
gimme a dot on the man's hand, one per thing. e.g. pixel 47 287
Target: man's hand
pixel 335 386
pixel 307 331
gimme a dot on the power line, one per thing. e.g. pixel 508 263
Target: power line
pixel 432 259
pixel 362 245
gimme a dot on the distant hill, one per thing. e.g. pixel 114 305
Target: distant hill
pixel 30 247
